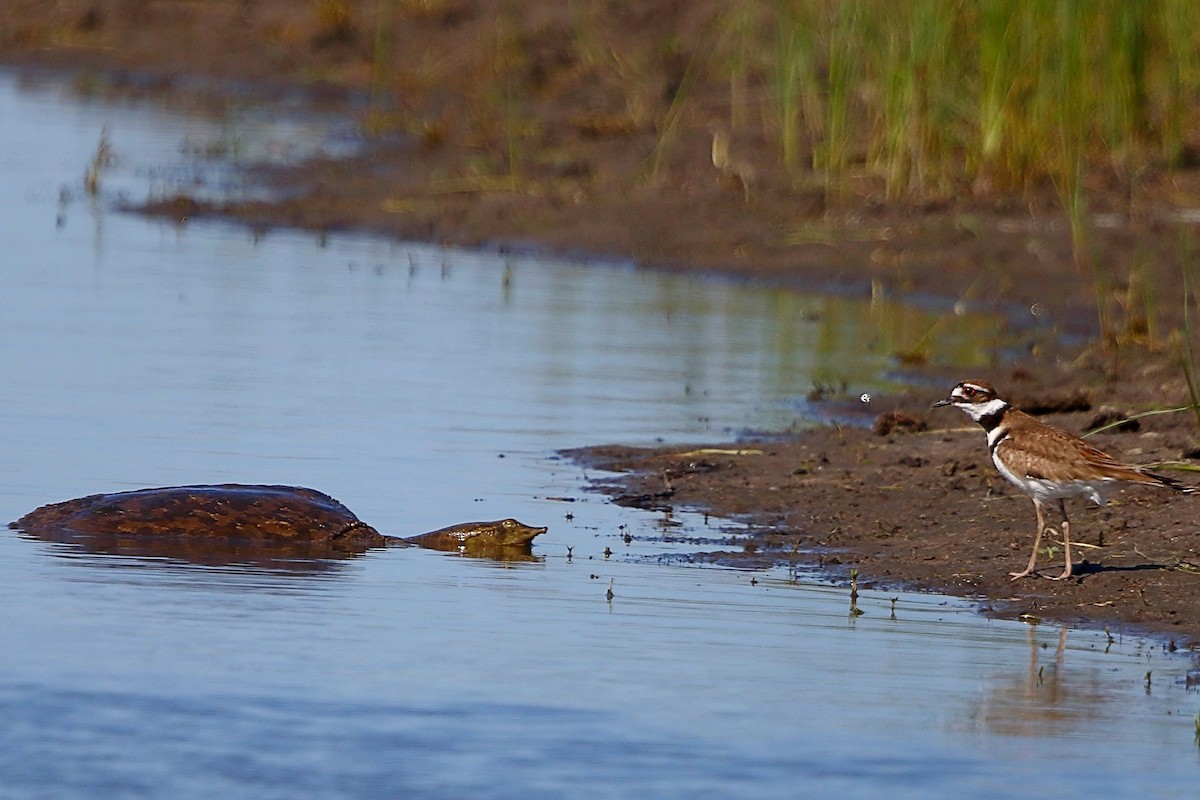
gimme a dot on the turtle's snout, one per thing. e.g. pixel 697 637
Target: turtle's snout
pixel 514 532
pixel 514 526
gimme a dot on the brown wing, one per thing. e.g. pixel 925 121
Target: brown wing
pixel 1053 454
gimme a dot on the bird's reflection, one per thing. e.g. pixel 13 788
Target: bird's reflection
pixel 1043 699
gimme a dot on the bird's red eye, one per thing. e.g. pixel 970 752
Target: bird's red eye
pixel 970 391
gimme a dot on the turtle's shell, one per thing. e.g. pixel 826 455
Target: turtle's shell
pixel 228 511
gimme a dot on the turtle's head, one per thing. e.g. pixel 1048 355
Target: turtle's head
pixel 508 533
pixel 480 538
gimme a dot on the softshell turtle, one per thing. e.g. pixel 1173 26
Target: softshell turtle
pixel 299 520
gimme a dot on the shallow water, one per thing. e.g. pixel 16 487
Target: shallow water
pixel 423 387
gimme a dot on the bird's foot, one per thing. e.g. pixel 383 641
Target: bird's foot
pixel 1016 576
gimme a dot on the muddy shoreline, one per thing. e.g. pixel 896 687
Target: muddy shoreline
pixel 913 507
pixel 915 503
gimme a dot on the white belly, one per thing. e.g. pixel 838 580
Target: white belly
pixel 1042 490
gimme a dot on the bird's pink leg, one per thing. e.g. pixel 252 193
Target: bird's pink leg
pixel 1066 529
pixel 1037 538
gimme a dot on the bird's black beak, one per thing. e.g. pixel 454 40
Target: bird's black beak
pixel 941 403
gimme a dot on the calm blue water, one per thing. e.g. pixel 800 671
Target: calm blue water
pixel 422 387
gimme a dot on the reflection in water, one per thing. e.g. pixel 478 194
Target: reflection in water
pixel 304 557
pixel 1045 699
pixel 299 558
pixel 726 351
pixel 166 575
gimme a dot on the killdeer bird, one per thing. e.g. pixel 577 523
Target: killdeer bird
pixel 1044 462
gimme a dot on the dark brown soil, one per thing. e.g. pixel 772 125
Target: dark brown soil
pixel 495 132
pixel 915 502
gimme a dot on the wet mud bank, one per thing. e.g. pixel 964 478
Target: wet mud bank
pixel 914 502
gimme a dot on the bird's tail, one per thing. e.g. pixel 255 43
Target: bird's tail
pixel 1167 482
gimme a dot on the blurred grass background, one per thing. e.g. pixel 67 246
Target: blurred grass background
pixel 928 98
pixel 923 98
pixel 937 96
